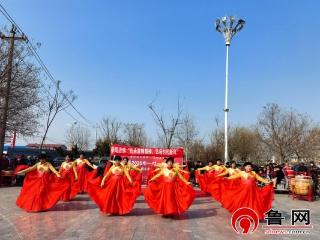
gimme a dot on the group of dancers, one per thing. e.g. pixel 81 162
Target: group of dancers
pixel 168 191
pixel 235 188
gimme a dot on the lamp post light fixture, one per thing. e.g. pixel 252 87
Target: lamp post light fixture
pixel 228 27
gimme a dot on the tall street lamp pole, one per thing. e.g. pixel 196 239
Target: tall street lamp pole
pixel 228 27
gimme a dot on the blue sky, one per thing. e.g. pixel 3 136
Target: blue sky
pixel 117 55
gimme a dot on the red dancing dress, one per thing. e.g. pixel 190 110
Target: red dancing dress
pixel 150 172
pixel 201 181
pixel 19 168
pixel 107 167
pixel 170 194
pixel 134 172
pixel 209 182
pixel 154 169
pixel 41 189
pixel 136 176
pixel 184 173
pixel 83 173
pixel 247 193
pixel 215 184
pixel 69 173
pixel 116 196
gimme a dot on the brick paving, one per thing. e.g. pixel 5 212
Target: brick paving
pixel 80 219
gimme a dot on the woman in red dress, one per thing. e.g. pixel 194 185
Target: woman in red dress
pixel 41 189
pixel 114 195
pixel 155 168
pixel 248 194
pixel 69 173
pixel 168 192
pixel 134 172
pixel 83 174
pixel 210 181
pixel 184 173
pixel 214 181
pixel 216 189
pixel 150 172
pixel 203 178
pixel 232 170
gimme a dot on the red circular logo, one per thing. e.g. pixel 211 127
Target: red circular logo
pixel 246 219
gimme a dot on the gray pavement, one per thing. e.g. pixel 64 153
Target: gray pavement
pixel 80 219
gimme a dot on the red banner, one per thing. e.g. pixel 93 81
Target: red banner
pixel 146 157
pixel 123 150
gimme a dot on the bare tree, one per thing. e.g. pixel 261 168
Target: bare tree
pixel 198 151
pixel 135 135
pixel 243 143
pixel 110 133
pixel 186 133
pixel 283 130
pixel 102 148
pixel 54 105
pixel 110 129
pixel 307 146
pixel 78 136
pixel 167 127
pixel 23 111
pixel 215 148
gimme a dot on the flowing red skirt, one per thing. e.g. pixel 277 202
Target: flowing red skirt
pixel 83 176
pixel 150 173
pixel 205 180
pixel 201 181
pixel 116 197
pixel 136 179
pixel 20 168
pixel 214 184
pixel 169 197
pixel 186 175
pixel 40 191
pixel 73 188
pixel 106 169
pixel 135 175
pixel 215 189
pixel 246 193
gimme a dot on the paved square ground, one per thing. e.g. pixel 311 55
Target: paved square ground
pixel 80 219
